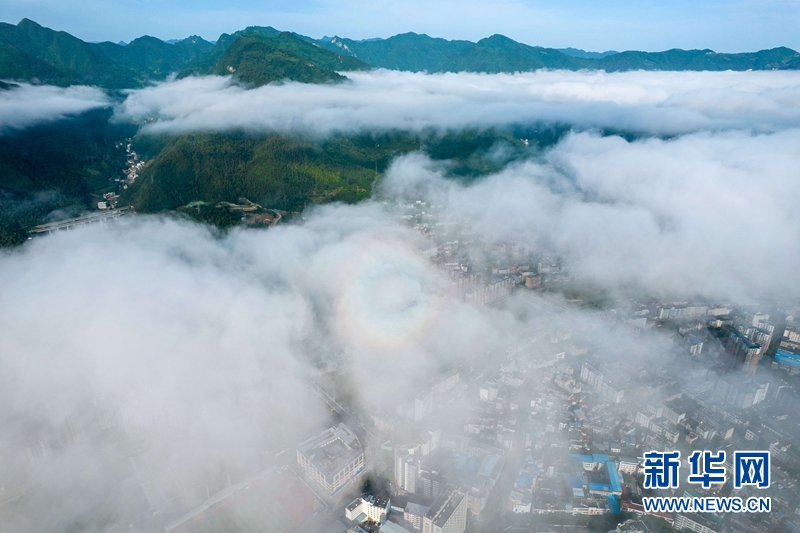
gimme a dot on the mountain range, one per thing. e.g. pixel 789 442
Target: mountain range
pixel 259 55
pixel 55 170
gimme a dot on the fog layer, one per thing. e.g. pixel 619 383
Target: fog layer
pixel 698 215
pixel 150 357
pixel 25 105
pixel 651 102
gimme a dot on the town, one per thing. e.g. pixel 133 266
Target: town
pixel 545 433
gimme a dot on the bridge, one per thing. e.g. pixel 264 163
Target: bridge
pixel 83 220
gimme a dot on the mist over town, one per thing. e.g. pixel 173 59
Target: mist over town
pixel 283 284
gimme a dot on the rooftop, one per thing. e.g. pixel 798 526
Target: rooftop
pixel 331 450
pixel 444 506
pixel 417 509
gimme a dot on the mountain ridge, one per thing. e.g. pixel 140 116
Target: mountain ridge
pixel 31 52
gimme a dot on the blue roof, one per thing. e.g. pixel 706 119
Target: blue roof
pixel 613 503
pixel 524 480
pixel 613 476
pixel 460 461
pixel 472 466
pixel 787 358
pixel 487 465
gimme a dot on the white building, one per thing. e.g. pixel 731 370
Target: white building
pixel 332 459
pixel 374 509
pixel 628 465
pixel 489 391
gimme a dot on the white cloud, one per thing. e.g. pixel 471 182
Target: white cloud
pixel 701 214
pixel 199 349
pixel 26 105
pixel 650 102
pixel 201 345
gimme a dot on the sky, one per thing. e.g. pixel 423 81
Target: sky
pixel 724 26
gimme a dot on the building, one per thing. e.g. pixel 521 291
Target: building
pixel 519 502
pixel 490 293
pixel 332 459
pixel 533 281
pixel 414 514
pixel 374 509
pixel 693 522
pixel 489 391
pixel 407 462
pixel 695 344
pixel 406 470
pixel 431 484
pixel 670 313
pixel 743 352
pixel 787 361
pixel 423 405
pixel 695 310
pixel 629 465
pixel 790 341
pixel 719 310
pixel 391 527
pixel 448 514
pixel 599 473
pixel 742 394
pixel 446 383
pixel 605 388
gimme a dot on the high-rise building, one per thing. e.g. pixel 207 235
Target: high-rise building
pixel 332 459
pixel 406 470
pixel 744 352
pixel 448 514
pixel 407 462
pixel 430 484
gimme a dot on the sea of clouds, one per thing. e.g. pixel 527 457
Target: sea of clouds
pixel 665 103
pixel 203 345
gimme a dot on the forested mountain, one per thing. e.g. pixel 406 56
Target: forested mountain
pixel 57 170
pixel 577 52
pixel 417 53
pixel 29 52
pixel 290 172
pixel 407 51
pixel 774 59
pixel 261 55
pixel 155 59
pixel 257 59
pixel 62 168
pixel 501 54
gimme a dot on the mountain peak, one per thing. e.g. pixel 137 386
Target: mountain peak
pixel 26 22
